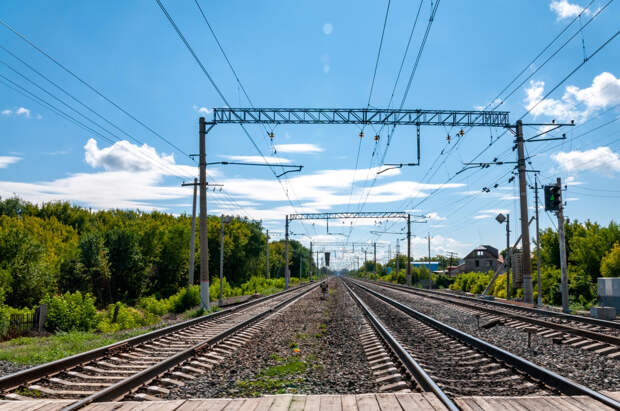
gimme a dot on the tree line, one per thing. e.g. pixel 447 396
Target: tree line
pixel 119 255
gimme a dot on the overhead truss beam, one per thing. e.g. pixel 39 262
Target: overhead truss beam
pixel 337 216
pixel 456 118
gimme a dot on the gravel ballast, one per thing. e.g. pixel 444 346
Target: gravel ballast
pixel 7 367
pixel 312 348
pixel 592 370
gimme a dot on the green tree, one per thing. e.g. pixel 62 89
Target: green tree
pixel 93 264
pixel 610 263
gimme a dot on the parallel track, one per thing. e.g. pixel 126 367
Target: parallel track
pixel 458 363
pixel 600 336
pixel 172 354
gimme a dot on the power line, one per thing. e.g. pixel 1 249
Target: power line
pixel 33 45
pixel 374 74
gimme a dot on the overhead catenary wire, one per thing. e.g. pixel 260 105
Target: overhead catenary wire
pixel 93 89
pixel 220 94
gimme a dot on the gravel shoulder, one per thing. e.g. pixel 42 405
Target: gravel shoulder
pixel 592 370
pixel 7 367
pixel 311 348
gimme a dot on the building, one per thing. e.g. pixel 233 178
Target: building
pixel 482 258
pixel 432 265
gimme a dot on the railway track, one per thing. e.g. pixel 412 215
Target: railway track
pixel 599 336
pixel 142 367
pixel 453 364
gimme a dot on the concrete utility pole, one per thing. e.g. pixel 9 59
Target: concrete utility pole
pixel 204 241
pixel 525 232
pixel 408 269
pixel 365 258
pixel 267 272
pixel 428 236
pixel 539 287
pixel 286 270
pixel 192 239
pixel 223 221
pixel 374 246
pixel 564 287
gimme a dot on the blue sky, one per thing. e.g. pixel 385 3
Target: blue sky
pixel 309 54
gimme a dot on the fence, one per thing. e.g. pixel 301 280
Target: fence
pixel 21 323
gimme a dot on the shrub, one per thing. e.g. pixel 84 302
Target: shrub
pixel 154 306
pixel 185 299
pixel 70 312
pixel 128 317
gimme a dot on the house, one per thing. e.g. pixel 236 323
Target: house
pixel 482 258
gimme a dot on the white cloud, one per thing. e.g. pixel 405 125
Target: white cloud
pixel 570 180
pixel 439 245
pixel 6 161
pixel 124 156
pixel 202 110
pixel 435 217
pixel 604 92
pixel 600 159
pixel 298 148
pixel 495 103
pixel 325 62
pixel 258 159
pixel 492 213
pixel 22 111
pixel 328 28
pixel 563 9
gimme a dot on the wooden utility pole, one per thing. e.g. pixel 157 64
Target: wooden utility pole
pixel 564 287
pixel 192 239
pixel 526 267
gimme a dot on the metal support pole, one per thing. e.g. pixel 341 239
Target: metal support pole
pixel 508 256
pixel 428 235
pixel 301 258
pixel 564 287
pixel 220 300
pixel 525 232
pixel 204 241
pixel 408 250
pixel 311 265
pixel 267 271
pixel 365 259
pixel 538 282
pixel 374 246
pixel 192 239
pixel 397 256
pixel 286 270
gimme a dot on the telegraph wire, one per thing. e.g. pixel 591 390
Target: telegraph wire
pixel 374 74
pixel 219 92
pixel 100 94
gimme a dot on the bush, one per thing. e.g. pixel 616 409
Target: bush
pixel 70 312
pixel 128 317
pixel 185 299
pixel 154 306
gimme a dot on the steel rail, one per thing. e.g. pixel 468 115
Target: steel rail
pixel 418 373
pixel 580 318
pixel 120 389
pixel 476 304
pixel 12 381
pixel 562 384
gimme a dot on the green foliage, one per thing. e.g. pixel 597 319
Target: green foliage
pixel 125 256
pixel 38 350
pixel 473 282
pixel 70 312
pixel 610 264
pixel 185 299
pixel 126 318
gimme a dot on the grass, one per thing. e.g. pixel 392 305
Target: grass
pixel 38 350
pixel 277 379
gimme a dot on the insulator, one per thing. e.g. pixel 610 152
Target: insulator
pixel 271 135
pixel 448 138
pixel 377 137
pixel 361 134
pixel 461 133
